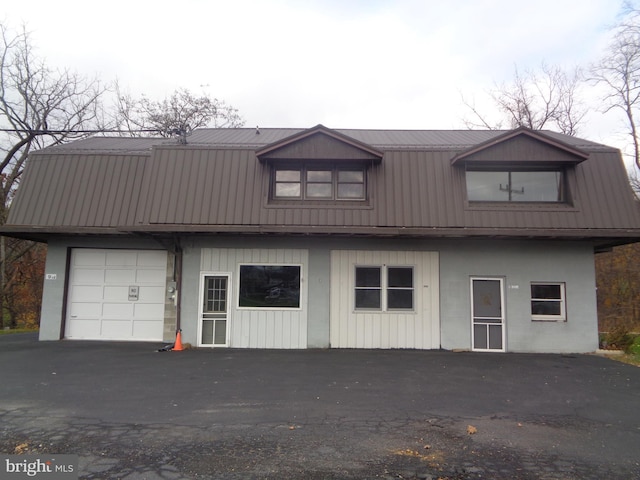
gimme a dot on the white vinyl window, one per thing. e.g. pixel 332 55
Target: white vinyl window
pixel 548 301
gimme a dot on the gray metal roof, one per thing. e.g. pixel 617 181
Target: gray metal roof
pixel 260 137
pixel 216 183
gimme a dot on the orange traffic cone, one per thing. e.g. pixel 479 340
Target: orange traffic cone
pixel 177 347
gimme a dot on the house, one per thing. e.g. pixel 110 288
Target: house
pixel 324 238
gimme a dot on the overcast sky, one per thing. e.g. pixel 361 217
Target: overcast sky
pixel 346 64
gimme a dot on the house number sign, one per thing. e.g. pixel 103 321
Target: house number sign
pixel 134 292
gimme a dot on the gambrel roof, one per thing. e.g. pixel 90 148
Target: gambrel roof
pixel 219 182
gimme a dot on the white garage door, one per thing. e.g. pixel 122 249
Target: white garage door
pixel 384 299
pixel 116 294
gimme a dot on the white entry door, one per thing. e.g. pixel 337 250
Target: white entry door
pixel 487 312
pixel 116 294
pixel 214 311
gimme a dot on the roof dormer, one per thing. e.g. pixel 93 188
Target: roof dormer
pixel 521 146
pixel 320 143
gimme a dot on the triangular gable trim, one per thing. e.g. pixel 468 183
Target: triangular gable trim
pixel 572 155
pixel 270 151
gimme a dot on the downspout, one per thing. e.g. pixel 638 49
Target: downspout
pixel 177 278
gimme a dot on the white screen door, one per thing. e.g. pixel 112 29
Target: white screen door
pixel 214 311
pixel 487 314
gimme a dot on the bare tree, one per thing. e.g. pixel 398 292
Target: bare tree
pixel 39 107
pixel 619 72
pixel 547 98
pixel 180 113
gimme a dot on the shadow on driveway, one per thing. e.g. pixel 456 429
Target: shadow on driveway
pixel 131 412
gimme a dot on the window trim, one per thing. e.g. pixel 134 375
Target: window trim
pixel 562 317
pixel 384 289
pixel 305 167
pixel 276 307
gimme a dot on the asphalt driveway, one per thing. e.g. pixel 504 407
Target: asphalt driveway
pixel 131 412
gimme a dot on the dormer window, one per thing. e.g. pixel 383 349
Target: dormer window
pixel 326 182
pixel 516 185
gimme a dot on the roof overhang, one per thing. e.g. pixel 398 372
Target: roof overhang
pixel 44 233
pixel 600 238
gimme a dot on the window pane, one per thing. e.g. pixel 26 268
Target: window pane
pixel 495 337
pixel 367 298
pixel 287 189
pixel 399 298
pixel 220 337
pixel 356 176
pixel 269 286
pixel 480 336
pixel 549 307
pixel 287 175
pixel 368 277
pixel 400 277
pixel 487 299
pixel 536 186
pixel 546 291
pixel 319 190
pixel 350 190
pixel 487 186
pixel 319 176
pixel 207 332
pixel 215 295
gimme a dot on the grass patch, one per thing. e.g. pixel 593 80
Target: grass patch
pixel 630 358
pixel 18 330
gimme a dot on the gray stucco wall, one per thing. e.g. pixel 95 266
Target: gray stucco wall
pixel 53 292
pixel 518 262
pixel 190 292
pixel 521 263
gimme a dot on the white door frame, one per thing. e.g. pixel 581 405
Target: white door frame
pixel 497 321
pixel 201 312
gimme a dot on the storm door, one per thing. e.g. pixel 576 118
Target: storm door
pixel 214 307
pixel 487 312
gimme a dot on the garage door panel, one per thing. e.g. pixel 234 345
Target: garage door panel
pixel 115 293
pixel 86 310
pixel 147 276
pixel 120 276
pixel 116 310
pixel 116 329
pixel 89 292
pixel 84 328
pixel 89 277
pixel 151 258
pixel 148 311
pixel 88 257
pixel 99 306
pixel 120 258
pixel 151 294
pixel 144 330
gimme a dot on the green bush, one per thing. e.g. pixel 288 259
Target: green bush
pixel 634 348
pixel 617 339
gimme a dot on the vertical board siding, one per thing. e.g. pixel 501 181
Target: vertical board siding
pixel 419 329
pixel 261 328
